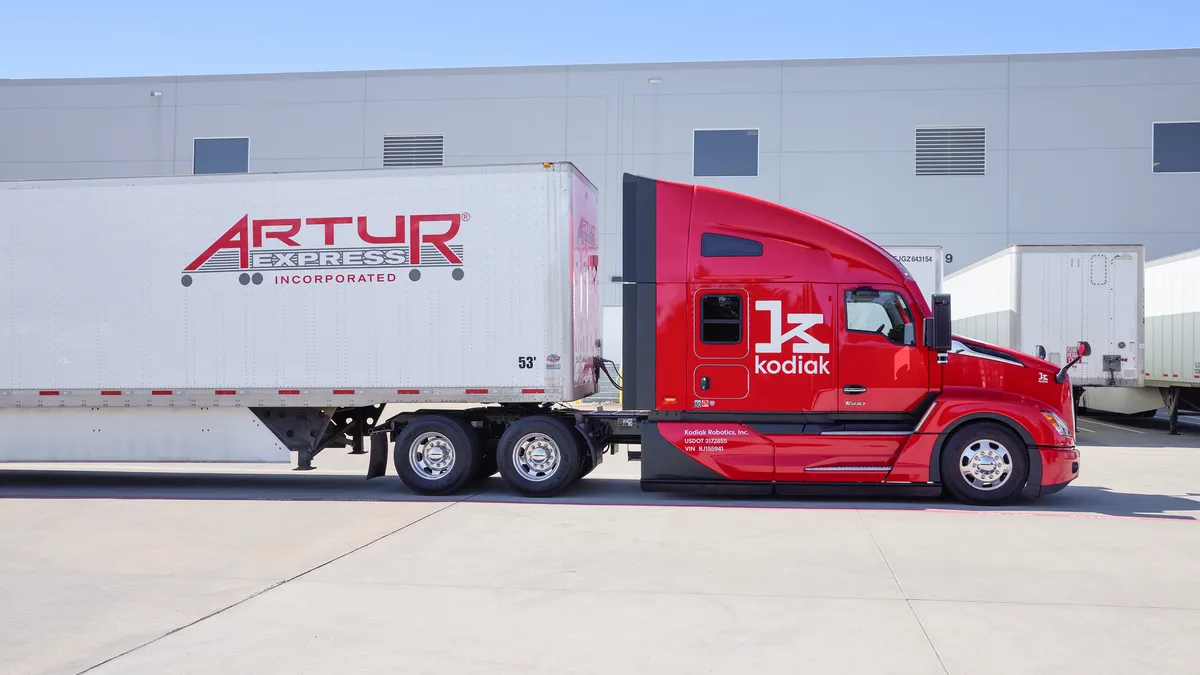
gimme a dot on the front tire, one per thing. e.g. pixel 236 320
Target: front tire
pixel 539 456
pixel 437 455
pixel 984 464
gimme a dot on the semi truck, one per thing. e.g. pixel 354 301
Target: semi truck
pixel 1045 299
pixel 254 317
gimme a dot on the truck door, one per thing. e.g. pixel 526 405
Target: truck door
pixel 764 348
pixel 881 368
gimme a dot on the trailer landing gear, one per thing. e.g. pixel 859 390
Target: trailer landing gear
pixel 308 431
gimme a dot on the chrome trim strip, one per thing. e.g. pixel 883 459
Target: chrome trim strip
pixel 866 433
pixel 925 418
pixel 987 357
pixel 848 468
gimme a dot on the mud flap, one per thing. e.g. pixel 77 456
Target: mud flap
pixel 377 464
pixel 1033 483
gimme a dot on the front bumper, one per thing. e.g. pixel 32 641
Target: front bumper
pixel 1060 466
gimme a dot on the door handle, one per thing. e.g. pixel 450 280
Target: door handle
pixel 854 389
pixel 704 383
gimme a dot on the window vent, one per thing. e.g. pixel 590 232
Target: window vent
pixel 950 151
pixel 425 150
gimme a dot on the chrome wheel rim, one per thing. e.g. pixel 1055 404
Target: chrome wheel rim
pixel 985 464
pixel 536 457
pixel 431 455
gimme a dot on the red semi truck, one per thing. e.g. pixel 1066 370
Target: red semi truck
pixel 777 351
pixel 765 349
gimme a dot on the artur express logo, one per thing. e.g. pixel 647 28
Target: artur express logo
pixel 332 250
pixel 797 335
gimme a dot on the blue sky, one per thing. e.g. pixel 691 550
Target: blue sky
pixel 72 38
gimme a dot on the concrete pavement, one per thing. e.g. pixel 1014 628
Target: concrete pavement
pixel 255 569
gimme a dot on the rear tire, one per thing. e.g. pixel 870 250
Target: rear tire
pixel 539 456
pixel 984 464
pixel 437 455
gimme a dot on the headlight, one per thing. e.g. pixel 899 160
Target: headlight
pixel 1057 422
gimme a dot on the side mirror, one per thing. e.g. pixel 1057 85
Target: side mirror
pixel 1040 352
pixel 937 328
pixel 1084 350
pixel 910 334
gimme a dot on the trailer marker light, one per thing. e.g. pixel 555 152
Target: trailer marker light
pixel 289 392
pixel 533 391
pixel 162 392
pixel 226 392
pixel 47 393
pixel 343 392
pixel 408 392
pixel 109 392
pixel 477 391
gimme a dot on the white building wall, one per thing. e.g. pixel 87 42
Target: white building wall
pixel 1067 136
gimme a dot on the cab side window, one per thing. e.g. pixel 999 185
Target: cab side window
pixel 721 319
pixel 880 312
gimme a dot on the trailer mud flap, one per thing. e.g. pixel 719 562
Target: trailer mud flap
pixel 377 465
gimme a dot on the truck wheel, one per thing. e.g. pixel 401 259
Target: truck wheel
pixel 436 455
pixel 539 456
pixel 984 464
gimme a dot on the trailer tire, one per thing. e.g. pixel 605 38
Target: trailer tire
pixel 984 463
pixel 437 455
pixel 539 456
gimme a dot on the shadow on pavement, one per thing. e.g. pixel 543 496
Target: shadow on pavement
pixel 1135 430
pixel 39 484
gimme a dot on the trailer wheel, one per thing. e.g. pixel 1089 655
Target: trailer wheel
pixel 539 456
pixel 437 455
pixel 984 464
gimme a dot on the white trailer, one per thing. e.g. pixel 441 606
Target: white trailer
pixel 1172 373
pixel 243 317
pixel 924 263
pixel 1044 300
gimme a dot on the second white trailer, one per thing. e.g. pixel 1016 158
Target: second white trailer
pixel 1172 372
pixel 1049 298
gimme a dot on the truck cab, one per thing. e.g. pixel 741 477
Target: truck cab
pixel 775 351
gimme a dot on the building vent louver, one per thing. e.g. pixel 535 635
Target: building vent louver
pixel 413 150
pixel 950 151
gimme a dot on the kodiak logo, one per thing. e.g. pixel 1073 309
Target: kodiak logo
pixel 332 250
pixel 797 335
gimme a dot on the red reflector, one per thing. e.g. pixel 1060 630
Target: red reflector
pixel 533 391
pixel 110 393
pixel 408 392
pixel 477 391
pixel 47 393
pixel 343 392
pixel 226 392
pixel 289 392
pixel 161 392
